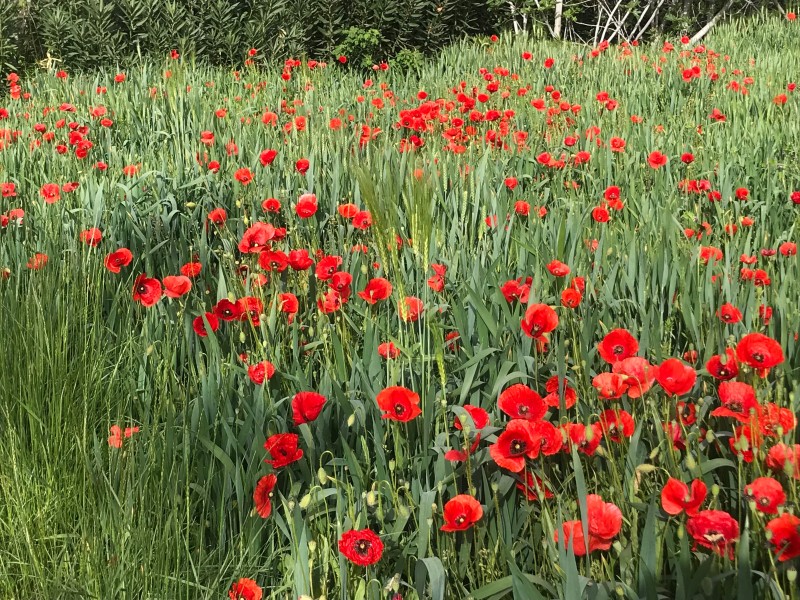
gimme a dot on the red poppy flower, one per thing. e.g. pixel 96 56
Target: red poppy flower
pixel 243 175
pixel 261 372
pixel 299 260
pixel 656 160
pixel 522 208
pixel 306 206
pixel 616 424
pixel 617 345
pixel 191 269
pixel 610 385
pixel 218 216
pixel 710 253
pixel 327 266
pixel 676 377
pixel 118 259
pixel 262 495
pixel 306 407
pixel 539 319
pixel 776 421
pixel 728 313
pixel 586 439
pixel 362 220
pixel 605 522
pixel 227 310
pixel 759 351
pixel 302 165
pixel 784 458
pixel 723 370
pixel 50 192
pixel 92 237
pixel 348 211
pixel 521 402
pixel 480 418
pixel 200 327
pixel 388 351
pixel 715 530
pixel 267 156
pixel 547 438
pixel 245 589
pixel 738 400
pixel 571 298
pixel 461 513
pixel 377 289
pixel 256 237
pixel 176 286
pixel 558 268
pixel 767 494
pixel 331 302
pixel 283 450
pixel 115 439
pixel 8 190
pixel 39 261
pixel 553 397
pixel 362 547
pixel 573 537
pixel 410 308
pixel 785 536
pixel 288 303
pixel 398 404
pixel 146 290
pixel 273 260
pixel 514 289
pixel 513 445
pixel 638 374
pixel 677 498
pixel 533 487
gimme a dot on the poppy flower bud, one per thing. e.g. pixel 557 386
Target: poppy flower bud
pixel 350 420
pixel 392 465
pixel 322 475
pixel 364 269
pixel 312 546
pixel 191 204
pixel 791 574
pixel 371 498
pixel 710 436
pixel 715 490
pixel 242 337
pixel 290 505
pixel 305 501
pixel 690 461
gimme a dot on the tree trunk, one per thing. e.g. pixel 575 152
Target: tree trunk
pixel 708 26
pixel 557 21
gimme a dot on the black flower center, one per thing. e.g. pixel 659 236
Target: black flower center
pixel 362 547
pixel 518 446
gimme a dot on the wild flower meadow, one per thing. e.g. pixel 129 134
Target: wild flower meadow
pixel 521 323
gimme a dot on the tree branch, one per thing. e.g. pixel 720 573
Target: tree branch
pixel 708 26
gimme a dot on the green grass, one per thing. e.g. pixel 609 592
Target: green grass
pixel 170 514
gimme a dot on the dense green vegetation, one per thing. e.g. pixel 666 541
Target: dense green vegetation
pixel 493 178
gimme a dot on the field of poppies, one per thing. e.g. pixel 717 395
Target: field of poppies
pixel 521 323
